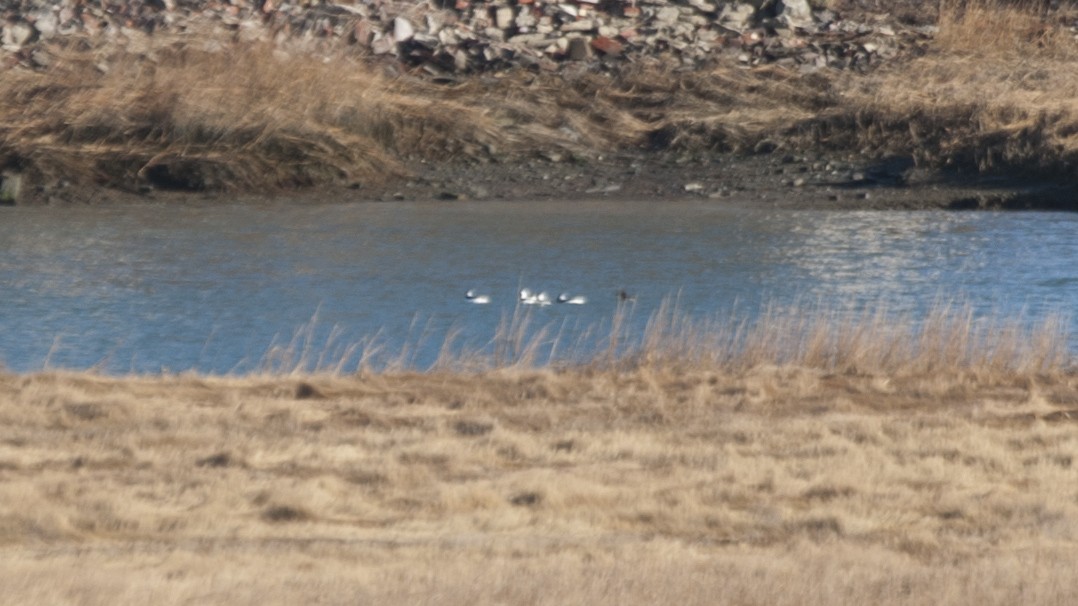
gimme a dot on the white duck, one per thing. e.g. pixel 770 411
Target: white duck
pixel 527 297
pixel 472 297
pixel 573 300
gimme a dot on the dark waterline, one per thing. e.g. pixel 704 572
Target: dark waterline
pixel 153 288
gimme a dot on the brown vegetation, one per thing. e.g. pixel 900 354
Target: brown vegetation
pixel 676 475
pixel 994 93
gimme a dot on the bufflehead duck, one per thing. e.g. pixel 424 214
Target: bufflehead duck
pixel 574 300
pixel 527 297
pixel 477 299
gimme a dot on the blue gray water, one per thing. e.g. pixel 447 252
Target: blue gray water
pixel 174 288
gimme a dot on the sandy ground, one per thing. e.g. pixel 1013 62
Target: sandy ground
pixel 766 486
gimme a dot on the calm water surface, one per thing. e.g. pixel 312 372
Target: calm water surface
pixel 152 288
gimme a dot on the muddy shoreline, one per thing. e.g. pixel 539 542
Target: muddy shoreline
pixel 782 181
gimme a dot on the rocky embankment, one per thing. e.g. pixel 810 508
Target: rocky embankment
pixel 447 37
pixel 609 97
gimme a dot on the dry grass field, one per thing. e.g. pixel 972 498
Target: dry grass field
pixel 943 477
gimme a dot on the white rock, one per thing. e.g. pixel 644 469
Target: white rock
pixel 402 29
pixel 448 37
pixel 46 23
pixel 503 17
pixel 668 15
pixel 460 60
pixel 434 24
pixel 525 19
pixel 796 13
pixel 583 25
pixel 383 45
pixel 16 34
pixel 737 17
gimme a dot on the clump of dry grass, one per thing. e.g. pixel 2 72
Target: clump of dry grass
pixel 1012 26
pixel 949 338
pixel 190 119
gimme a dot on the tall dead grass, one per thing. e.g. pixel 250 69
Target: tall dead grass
pixel 995 93
pixel 1012 26
pixel 246 116
pixel 948 338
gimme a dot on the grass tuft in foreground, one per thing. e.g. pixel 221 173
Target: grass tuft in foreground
pixel 948 338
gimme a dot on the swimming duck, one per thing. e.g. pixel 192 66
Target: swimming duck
pixel 574 300
pixel 527 297
pixel 472 297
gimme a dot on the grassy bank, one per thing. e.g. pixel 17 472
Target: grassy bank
pixel 823 461
pixel 993 93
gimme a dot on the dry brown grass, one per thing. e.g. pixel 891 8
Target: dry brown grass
pixel 995 94
pixel 771 485
pixel 248 117
pixel 864 463
pixel 948 337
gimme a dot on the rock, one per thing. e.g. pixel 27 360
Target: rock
pixel 17 34
pixel 737 17
pixel 40 58
pixel 703 5
pixel 503 17
pixel 402 29
pixel 795 13
pixel 607 46
pixel 46 23
pixel 460 60
pixel 531 40
pixel 474 35
pixel 582 25
pixel 694 187
pixel 383 45
pixel 10 187
pixel 578 49
pixel 525 19
pixel 668 15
